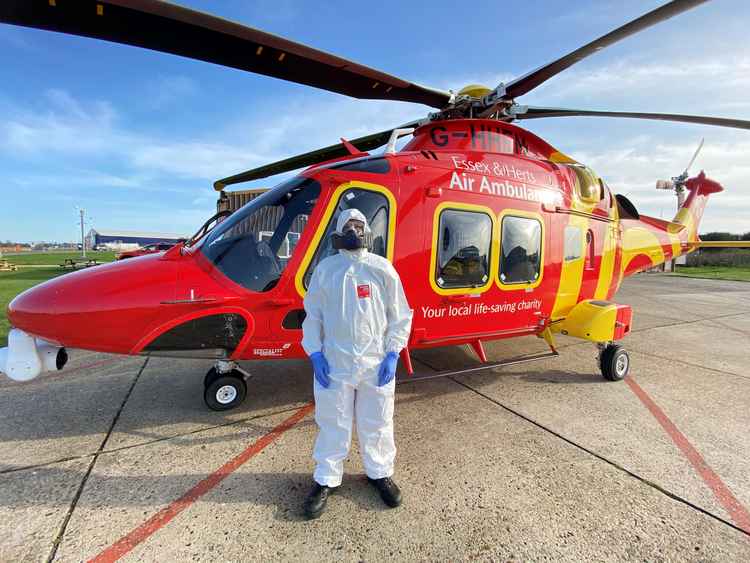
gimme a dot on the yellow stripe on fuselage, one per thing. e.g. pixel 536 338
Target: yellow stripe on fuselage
pixel 676 246
pixel 607 268
pixel 571 274
pixel 682 229
pixel 685 217
pixel 637 241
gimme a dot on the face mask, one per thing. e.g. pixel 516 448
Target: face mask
pixel 351 240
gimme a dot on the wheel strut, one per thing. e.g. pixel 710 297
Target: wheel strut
pixel 228 366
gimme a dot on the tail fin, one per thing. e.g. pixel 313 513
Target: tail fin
pixel 685 223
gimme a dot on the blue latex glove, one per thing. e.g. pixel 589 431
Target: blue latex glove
pixel 387 369
pixel 321 369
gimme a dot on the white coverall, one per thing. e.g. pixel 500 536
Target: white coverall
pixel 356 313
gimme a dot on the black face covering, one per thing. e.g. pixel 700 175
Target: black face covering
pixel 351 240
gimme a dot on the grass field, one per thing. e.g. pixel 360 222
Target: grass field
pixel 53 258
pixel 13 283
pixel 736 273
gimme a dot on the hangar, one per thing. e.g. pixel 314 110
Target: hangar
pixel 118 238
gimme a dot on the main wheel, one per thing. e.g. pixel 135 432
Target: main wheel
pixel 225 392
pixel 614 362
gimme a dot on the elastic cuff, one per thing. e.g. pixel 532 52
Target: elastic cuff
pixel 327 482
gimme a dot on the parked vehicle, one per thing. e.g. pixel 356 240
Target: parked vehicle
pixel 148 249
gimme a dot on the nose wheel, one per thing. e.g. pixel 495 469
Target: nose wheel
pixel 614 362
pixel 225 386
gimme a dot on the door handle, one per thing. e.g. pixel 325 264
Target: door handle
pixel 196 300
pixel 281 302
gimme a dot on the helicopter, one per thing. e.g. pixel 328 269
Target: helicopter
pixel 495 233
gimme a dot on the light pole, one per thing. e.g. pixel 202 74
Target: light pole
pixel 83 240
pixel 82 221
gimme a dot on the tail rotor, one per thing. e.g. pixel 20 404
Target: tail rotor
pixel 677 183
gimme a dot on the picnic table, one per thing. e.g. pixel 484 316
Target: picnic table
pixel 74 264
pixel 6 266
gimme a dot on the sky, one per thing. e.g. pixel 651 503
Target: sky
pixel 137 137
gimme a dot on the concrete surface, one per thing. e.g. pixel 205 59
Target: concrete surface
pixel 534 462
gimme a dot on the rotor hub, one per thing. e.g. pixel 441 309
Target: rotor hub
pixel 477 91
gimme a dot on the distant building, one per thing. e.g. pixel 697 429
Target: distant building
pixel 13 247
pixel 232 201
pixel 122 240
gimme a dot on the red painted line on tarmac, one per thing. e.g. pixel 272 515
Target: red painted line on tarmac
pixel 736 510
pixel 126 544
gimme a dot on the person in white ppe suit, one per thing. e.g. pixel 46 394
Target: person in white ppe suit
pixel 358 320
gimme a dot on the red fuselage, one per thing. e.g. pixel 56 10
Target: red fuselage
pixel 204 301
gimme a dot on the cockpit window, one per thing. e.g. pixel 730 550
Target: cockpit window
pixel 254 245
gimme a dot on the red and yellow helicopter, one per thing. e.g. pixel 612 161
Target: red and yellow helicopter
pixel 495 233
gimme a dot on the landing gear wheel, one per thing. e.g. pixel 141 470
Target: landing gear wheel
pixel 225 392
pixel 614 362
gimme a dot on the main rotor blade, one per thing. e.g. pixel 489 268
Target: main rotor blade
pixel 366 143
pixel 169 28
pixel 531 112
pixel 536 77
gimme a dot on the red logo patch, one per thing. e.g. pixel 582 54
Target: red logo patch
pixel 363 291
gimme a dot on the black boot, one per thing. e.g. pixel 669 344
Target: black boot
pixel 315 503
pixel 388 490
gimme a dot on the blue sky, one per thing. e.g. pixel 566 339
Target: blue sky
pixel 137 137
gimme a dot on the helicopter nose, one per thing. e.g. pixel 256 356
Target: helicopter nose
pixel 100 308
pixel 34 310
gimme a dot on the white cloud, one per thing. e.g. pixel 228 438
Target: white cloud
pixel 92 180
pixel 195 160
pixel 71 132
pixel 69 127
pixel 664 82
pixel 58 123
pixel 633 165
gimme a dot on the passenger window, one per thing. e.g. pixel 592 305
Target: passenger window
pixel 573 243
pixel 463 251
pixel 374 206
pixel 587 185
pixel 521 247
